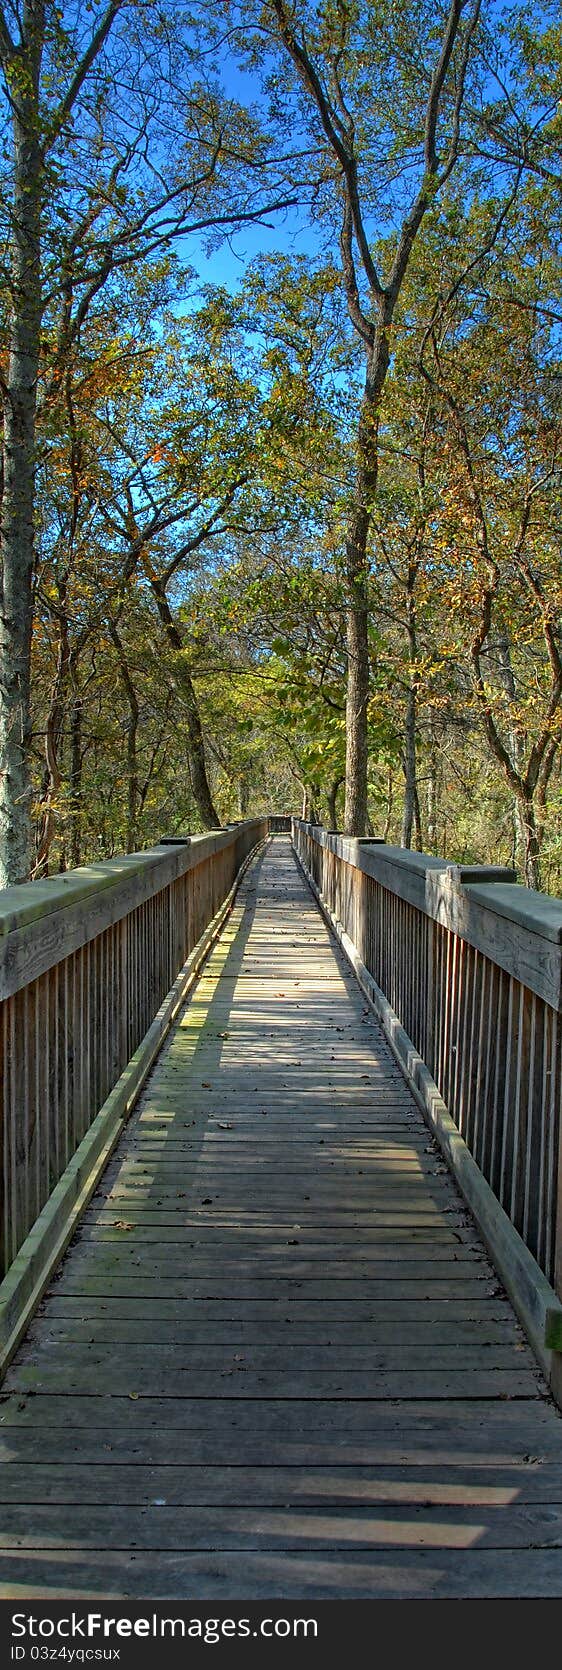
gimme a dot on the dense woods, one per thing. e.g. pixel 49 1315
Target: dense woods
pixel 282 425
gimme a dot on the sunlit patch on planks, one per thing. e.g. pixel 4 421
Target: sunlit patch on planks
pixel 276 1359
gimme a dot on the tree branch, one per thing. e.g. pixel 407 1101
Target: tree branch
pixel 363 326
pixel 341 144
pixel 7 45
pixel 82 71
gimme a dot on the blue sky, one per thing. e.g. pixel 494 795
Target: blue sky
pixel 289 230
pixel 227 264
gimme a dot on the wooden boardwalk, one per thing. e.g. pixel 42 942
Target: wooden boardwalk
pixel 275 1361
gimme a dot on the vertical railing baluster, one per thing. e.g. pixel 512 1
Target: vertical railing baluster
pixel 491 1042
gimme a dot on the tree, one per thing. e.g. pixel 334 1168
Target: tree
pixel 504 429
pixel 325 57
pixel 117 148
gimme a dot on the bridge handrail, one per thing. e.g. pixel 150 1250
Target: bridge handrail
pixel 471 965
pixel 86 961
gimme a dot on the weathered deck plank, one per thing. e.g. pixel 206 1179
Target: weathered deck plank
pixel 276 1360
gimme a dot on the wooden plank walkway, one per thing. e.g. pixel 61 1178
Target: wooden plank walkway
pixel 276 1362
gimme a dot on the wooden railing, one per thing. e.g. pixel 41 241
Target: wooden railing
pixel 471 965
pixel 86 960
pixel 279 824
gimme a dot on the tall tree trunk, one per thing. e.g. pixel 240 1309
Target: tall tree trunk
pixel 432 789
pixel 517 751
pixel 76 782
pixel 132 736
pixel 54 739
pixel 409 767
pixel 357 693
pixel 531 841
pixel 411 816
pixel 18 463
pixel 183 683
pixel 309 813
pixel 132 776
pixel 332 801
pixel 196 752
pixel 389 803
pixel 339 130
pixel 357 588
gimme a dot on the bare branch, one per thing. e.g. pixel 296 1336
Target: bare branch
pixel 455 136
pixel 432 179
pixel 82 71
pixel 340 141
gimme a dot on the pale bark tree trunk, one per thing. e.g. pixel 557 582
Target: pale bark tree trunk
pixel 389 803
pixel 332 800
pixel 517 750
pixel 76 781
pixel 54 744
pixel 357 693
pixel 132 772
pixel 409 769
pixel 21 64
pixel 411 817
pixel 530 836
pixel 309 813
pixel 432 792
pixel 357 590
pixel 132 738
pixel 18 465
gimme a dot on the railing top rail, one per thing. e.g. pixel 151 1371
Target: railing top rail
pixel 34 900
pixel 514 926
pixel 43 921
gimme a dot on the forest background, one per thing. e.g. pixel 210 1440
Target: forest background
pixel 281 377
